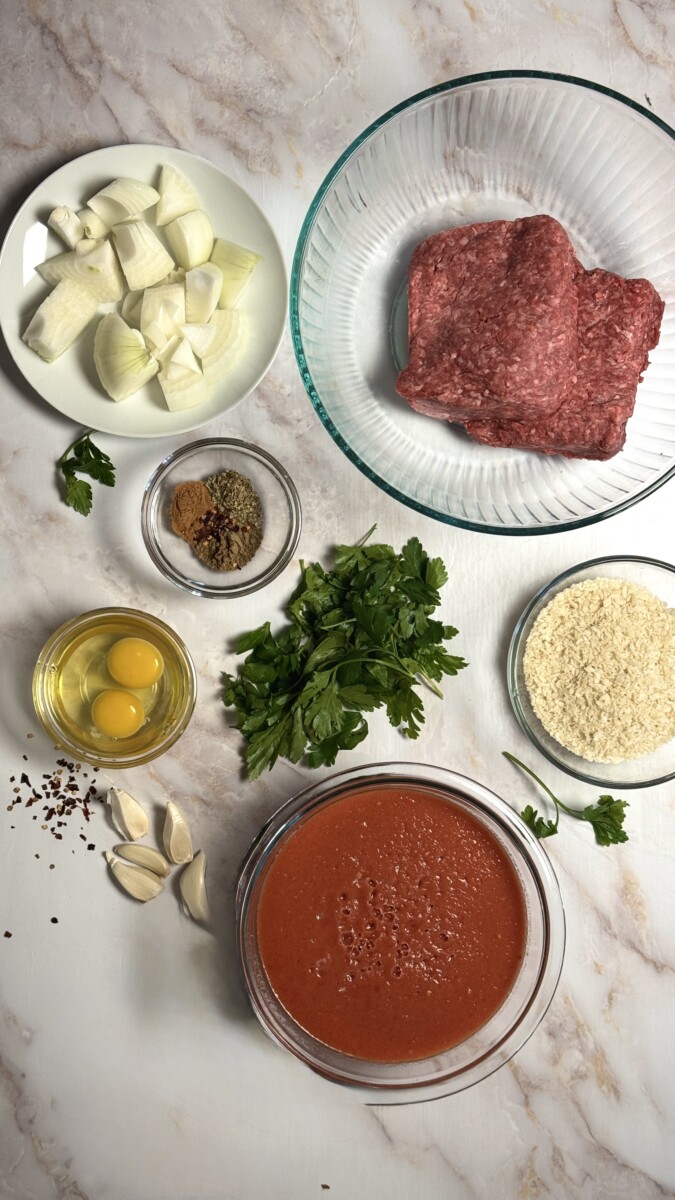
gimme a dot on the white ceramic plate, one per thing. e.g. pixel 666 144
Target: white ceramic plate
pixel 70 384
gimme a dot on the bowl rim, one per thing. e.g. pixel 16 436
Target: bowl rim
pixel 516 647
pixel 232 590
pixel 483 801
pixel 294 317
pixel 148 622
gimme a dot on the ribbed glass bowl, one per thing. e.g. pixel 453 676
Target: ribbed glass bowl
pixel 658 578
pixel 501 145
pixel 511 1025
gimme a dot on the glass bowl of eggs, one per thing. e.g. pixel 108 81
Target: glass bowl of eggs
pixel 115 687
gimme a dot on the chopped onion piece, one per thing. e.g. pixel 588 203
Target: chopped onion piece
pixel 121 199
pixel 59 319
pixel 200 337
pixel 131 308
pixel 67 224
pixel 176 196
pixel 236 263
pixel 229 336
pixel 164 308
pixel 167 350
pixel 93 264
pixel 92 224
pixel 185 390
pixel 181 358
pixel 121 358
pixel 142 256
pixel 190 238
pixel 203 286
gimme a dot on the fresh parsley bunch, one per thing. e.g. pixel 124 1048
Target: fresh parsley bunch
pixel 360 637
pixel 84 458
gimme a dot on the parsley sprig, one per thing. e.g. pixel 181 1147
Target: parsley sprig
pixel 84 458
pixel 360 637
pixel 606 817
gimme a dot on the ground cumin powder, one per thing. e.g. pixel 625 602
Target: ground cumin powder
pixel 599 666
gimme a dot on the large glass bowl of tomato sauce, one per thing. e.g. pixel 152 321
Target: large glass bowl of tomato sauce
pixel 400 930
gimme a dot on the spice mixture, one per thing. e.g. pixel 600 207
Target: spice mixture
pixel 220 519
pixel 600 670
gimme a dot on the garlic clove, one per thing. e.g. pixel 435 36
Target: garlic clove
pixel 192 884
pixel 137 882
pixel 144 856
pixel 127 815
pixel 176 835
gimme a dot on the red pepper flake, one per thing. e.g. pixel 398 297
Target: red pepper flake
pixel 61 793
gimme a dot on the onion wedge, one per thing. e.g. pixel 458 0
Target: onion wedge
pixel 121 357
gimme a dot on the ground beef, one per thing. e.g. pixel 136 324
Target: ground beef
pixel 492 321
pixel 618 323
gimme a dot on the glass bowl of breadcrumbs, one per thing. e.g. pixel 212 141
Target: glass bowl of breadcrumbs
pixel 591 671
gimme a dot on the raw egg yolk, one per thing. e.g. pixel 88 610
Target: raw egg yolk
pixel 117 714
pixel 135 663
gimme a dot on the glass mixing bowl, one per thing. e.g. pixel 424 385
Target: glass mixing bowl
pixel 525 1005
pixel 501 145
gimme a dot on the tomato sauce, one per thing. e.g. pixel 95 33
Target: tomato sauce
pixel 391 924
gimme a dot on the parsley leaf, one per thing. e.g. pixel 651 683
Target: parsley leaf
pixel 606 817
pixel 360 637
pixel 84 458
pixel 78 494
pixel 540 827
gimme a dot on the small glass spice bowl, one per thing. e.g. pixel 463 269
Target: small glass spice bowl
pixel 281 517
pixel 72 670
pixel 524 1007
pixel 659 767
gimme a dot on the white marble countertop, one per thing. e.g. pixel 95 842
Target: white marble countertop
pixel 130 1065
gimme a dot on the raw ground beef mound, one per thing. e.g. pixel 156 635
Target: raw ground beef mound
pixel 492 315
pixel 581 337
pixel 619 321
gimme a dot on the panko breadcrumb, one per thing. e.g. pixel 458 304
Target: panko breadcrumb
pixel 599 666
